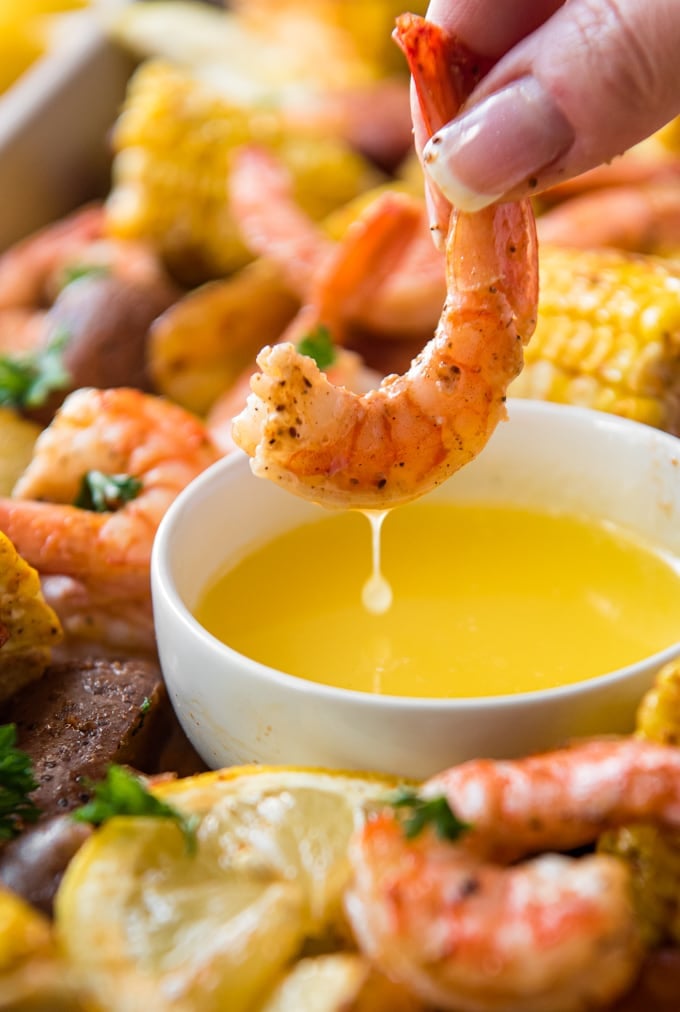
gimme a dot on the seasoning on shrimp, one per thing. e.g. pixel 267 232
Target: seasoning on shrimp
pixel 398 442
pixel 463 928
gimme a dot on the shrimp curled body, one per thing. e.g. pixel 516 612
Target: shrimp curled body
pixel 461 927
pixel 397 442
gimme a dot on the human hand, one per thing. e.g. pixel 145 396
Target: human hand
pixel 576 83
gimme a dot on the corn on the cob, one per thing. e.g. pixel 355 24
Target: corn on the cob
pixel 653 854
pixel 173 145
pixel 608 335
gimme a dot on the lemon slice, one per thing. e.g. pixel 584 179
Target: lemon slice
pixel 147 924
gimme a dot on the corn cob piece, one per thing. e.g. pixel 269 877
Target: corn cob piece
pixel 608 335
pixel 173 145
pixel 653 854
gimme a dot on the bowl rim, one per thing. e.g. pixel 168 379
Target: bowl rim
pixel 164 585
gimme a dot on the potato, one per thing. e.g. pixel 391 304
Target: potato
pixel 103 321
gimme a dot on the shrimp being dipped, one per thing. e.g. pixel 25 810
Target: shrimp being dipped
pixel 398 442
pixel 462 928
pixel 99 553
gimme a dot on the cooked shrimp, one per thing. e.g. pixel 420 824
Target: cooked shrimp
pixel 117 432
pixel 399 441
pixel 403 300
pixel 34 270
pixel 643 219
pixel 564 798
pixel 553 934
pixel 348 369
pixel 349 273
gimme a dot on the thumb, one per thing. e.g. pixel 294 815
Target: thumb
pixel 596 78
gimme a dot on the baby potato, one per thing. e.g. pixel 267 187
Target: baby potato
pixel 100 326
pixel 106 320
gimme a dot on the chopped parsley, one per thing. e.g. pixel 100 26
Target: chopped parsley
pixel 122 793
pixel 17 782
pixel 106 493
pixel 415 813
pixel 77 271
pixel 318 344
pixel 26 381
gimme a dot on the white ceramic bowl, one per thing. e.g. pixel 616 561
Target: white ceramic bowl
pixel 236 710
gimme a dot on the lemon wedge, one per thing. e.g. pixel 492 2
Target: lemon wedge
pixel 147 924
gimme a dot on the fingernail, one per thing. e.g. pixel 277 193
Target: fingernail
pixel 498 144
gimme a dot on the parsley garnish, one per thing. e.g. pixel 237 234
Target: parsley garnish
pixel 26 381
pixel 318 344
pixel 105 493
pixel 122 793
pixel 416 812
pixel 16 783
pixel 77 271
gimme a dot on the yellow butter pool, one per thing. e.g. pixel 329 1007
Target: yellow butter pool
pixel 487 600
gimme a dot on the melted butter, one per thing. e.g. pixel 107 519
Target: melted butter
pixel 487 600
pixel 376 593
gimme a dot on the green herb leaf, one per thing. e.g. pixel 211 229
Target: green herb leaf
pixel 16 783
pixel 106 493
pixel 318 344
pixel 77 271
pixel 26 381
pixel 416 812
pixel 122 793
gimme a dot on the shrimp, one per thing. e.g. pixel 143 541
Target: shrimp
pixel 351 270
pixel 643 219
pixel 459 927
pixel 101 559
pixel 405 300
pixel 551 935
pixel 395 443
pixel 34 270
